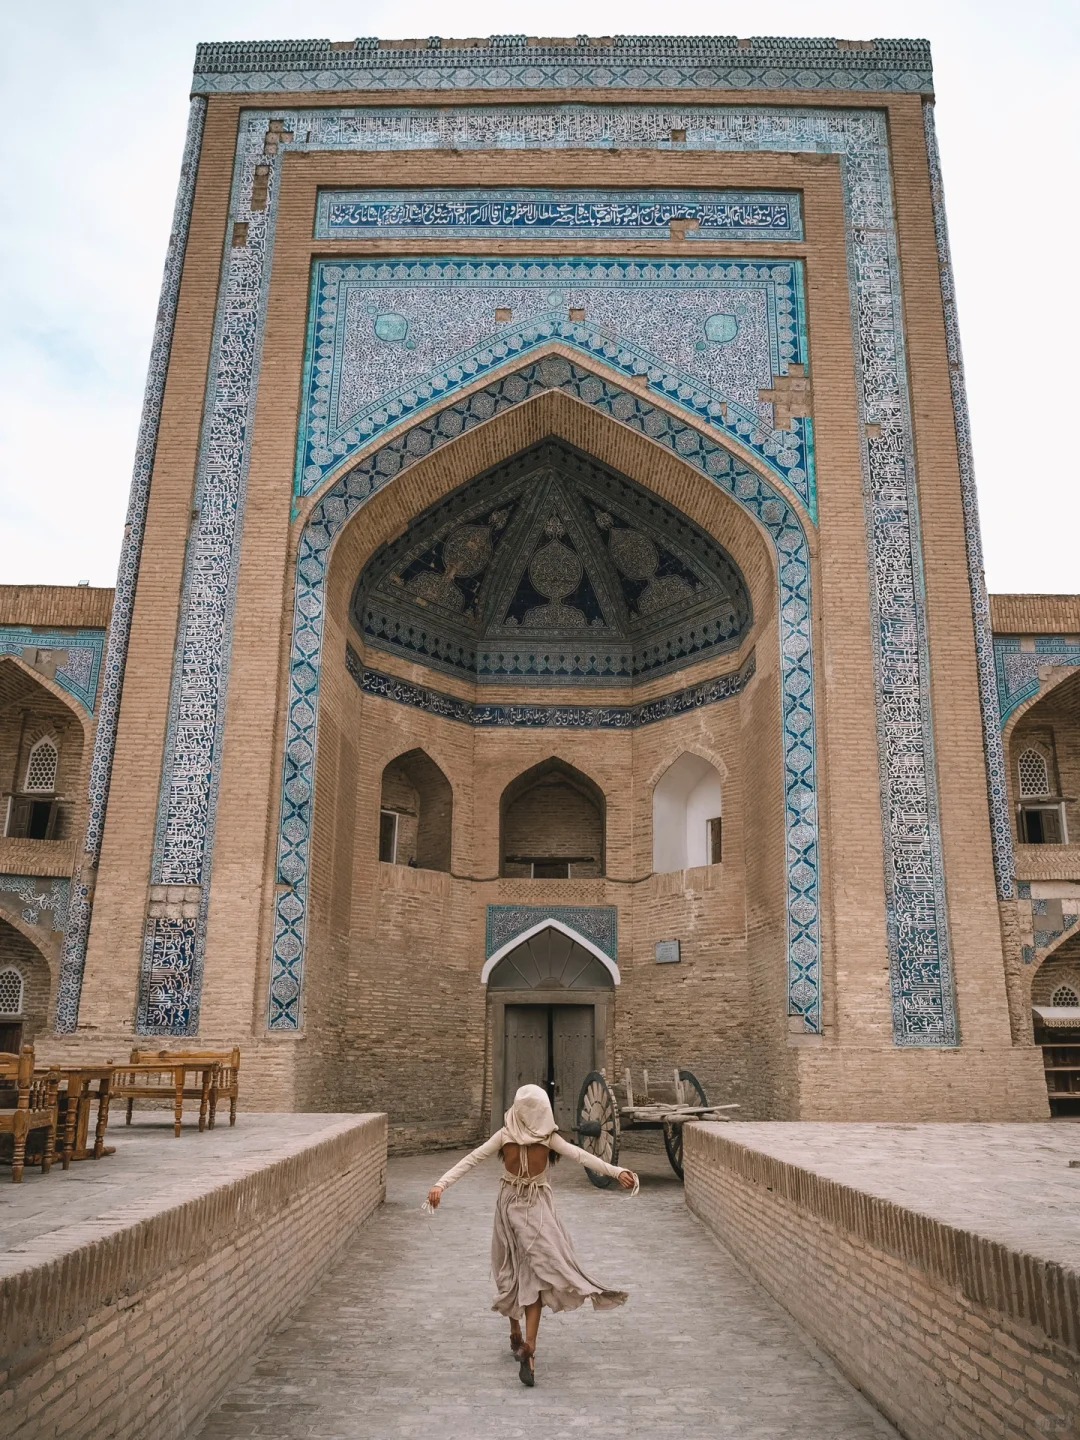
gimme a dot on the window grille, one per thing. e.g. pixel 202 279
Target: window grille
pixel 1034 773
pixel 11 992
pixel 1065 995
pixel 41 767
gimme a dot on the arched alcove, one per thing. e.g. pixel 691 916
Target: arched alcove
pixel 1043 749
pixel 552 824
pixel 687 815
pixel 416 813
pixel 41 749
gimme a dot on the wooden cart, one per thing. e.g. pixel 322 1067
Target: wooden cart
pixel 606 1110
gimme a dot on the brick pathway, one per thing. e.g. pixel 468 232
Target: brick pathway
pixel 401 1342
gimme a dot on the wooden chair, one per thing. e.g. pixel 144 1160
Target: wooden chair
pixel 28 1102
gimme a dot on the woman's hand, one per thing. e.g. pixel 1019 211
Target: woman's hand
pixel 627 1179
pixel 434 1195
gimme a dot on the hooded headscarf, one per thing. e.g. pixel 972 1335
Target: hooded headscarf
pixel 529 1120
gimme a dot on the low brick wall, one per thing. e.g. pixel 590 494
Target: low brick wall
pixel 950 1334
pixel 134 1325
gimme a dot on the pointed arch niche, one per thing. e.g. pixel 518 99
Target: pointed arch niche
pixel 686 816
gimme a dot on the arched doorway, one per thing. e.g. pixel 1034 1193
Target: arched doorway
pixel 550 994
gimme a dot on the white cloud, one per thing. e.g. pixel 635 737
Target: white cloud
pixel 89 185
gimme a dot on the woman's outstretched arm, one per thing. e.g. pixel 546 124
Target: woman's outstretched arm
pixel 474 1158
pixel 593 1162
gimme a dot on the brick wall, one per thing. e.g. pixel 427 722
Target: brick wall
pixel 131 1328
pixel 953 1337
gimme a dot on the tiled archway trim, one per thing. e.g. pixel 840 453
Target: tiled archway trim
pixel 751 492
pixel 920 973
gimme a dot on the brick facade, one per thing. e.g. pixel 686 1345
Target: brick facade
pixel 392 1013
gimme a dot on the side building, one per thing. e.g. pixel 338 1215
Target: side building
pixel 52 643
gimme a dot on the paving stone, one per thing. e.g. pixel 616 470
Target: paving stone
pixel 401 1341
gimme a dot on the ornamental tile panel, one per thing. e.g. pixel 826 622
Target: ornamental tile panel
pixel 388 339
pixel 597 923
pixel 78 655
pixel 514 214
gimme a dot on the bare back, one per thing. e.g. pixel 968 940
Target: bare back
pixel 536 1158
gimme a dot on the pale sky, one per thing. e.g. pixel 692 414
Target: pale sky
pixel 95 106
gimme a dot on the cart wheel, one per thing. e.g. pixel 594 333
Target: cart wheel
pixel 598 1124
pixel 673 1139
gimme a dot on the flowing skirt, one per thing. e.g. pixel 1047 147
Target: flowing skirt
pixel 532 1257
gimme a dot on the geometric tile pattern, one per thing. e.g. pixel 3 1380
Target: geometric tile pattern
pixel 389 338
pixel 1018 663
pixel 510 214
pixel 73 957
pixel 508 62
pixel 598 923
pixel 42 899
pixel 548 717
pixel 764 502
pixel 79 673
pixel 920 964
pixel 1001 830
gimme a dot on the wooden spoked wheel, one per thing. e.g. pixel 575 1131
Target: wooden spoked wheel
pixel 598 1123
pixel 695 1095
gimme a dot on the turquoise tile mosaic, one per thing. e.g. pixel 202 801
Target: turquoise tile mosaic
pixel 391 338
pixel 82 650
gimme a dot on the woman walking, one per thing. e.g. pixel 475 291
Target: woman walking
pixel 532 1257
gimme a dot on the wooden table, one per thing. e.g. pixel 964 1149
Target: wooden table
pixel 76 1098
pixel 133 1082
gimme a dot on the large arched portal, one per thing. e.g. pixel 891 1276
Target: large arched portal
pixel 549 607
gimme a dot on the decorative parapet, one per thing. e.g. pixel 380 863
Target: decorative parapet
pixel 606 63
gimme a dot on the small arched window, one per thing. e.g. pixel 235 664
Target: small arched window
pixel 11 991
pixel 1065 995
pixel 1034 772
pixel 41 767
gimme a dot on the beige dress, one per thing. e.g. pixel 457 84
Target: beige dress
pixel 532 1256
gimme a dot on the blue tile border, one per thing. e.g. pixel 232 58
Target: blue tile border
pixel 551 214
pixel 73 958
pixel 598 923
pixel 515 715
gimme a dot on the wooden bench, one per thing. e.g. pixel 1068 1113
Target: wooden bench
pixel 163 1075
pixel 28 1102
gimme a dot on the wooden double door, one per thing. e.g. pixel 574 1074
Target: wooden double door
pixel 552 1046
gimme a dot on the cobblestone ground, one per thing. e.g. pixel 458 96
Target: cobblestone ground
pixel 400 1340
